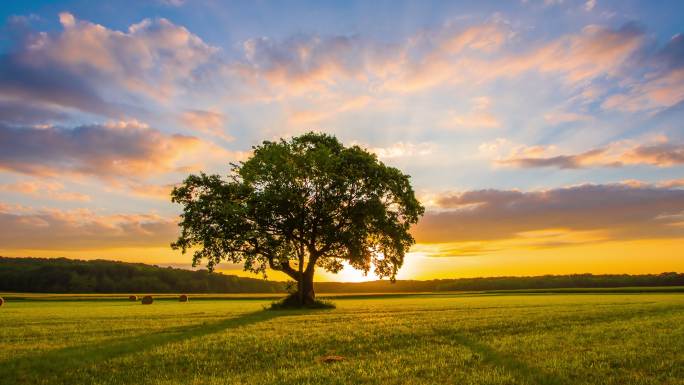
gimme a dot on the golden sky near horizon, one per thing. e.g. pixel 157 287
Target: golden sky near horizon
pixel 627 257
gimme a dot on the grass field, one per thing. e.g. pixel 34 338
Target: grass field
pixel 569 338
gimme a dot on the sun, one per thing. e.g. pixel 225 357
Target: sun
pixel 348 274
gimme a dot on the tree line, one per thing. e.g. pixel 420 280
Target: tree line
pixel 62 275
pixel 509 283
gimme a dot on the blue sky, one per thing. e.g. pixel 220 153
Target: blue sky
pixel 554 124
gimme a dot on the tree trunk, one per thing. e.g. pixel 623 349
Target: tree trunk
pixel 306 289
pixel 300 283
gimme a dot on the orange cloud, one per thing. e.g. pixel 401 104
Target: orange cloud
pixel 484 38
pixel 595 51
pixel 209 122
pixel 478 117
pixel 43 189
pixel 619 154
pixel 404 149
pixel 672 183
pixel 161 192
pixel 313 63
pixel 661 87
pixel 558 117
pixel 307 62
pixel 326 109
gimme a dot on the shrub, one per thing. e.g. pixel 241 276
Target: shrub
pixel 183 298
pixel 292 302
pixel 2 301
pixel 147 300
pixel 133 298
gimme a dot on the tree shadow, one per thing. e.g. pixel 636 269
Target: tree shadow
pixel 511 364
pixel 28 369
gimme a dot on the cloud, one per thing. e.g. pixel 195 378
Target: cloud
pixel 119 149
pixel 153 56
pixel 23 113
pixel 23 81
pixel 172 3
pixel 595 51
pixel 448 56
pixel 479 116
pixel 661 91
pixel 673 183
pixel 161 192
pixel 306 64
pixel 614 211
pixel 208 122
pixel 310 62
pixel 444 57
pixel 559 117
pixel 460 249
pixel 53 229
pixel 662 86
pixel 586 159
pixel 84 65
pixel 576 58
pixel 589 5
pixel 404 150
pixel 619 154
pixel 487 37
pixel 327 108
pixel 662 154
pixel 44 189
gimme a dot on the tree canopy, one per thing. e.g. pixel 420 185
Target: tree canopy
pixel 297 204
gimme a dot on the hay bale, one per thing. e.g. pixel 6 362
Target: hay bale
pixel 183 298
pixel 147 300
pixel 2 301
pixel 331 358
pixel 133 298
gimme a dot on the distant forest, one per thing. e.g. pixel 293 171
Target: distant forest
pixel 61 275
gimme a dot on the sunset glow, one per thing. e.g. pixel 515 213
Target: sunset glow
pixel 543 137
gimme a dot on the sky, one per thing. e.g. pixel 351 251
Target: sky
pixel 543 136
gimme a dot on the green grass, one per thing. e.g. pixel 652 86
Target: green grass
pixel 411 339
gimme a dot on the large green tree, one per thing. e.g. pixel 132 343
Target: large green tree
pixel 297 204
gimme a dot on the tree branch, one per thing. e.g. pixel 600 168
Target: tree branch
pixel 285 268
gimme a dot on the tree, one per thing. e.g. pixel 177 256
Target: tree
pixel 298 204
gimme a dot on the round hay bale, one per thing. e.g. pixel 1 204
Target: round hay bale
pixel 147 300
pixel 183 298
pixel 331 358
pixel 133 298
pixel 2 301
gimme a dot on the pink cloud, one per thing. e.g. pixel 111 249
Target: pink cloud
pixel 661 154
pixel 151 57
pixel 56 229
pixel 85 65
pixel 119 149
pixel 662 86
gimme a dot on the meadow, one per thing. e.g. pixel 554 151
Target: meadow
pixel 476 338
